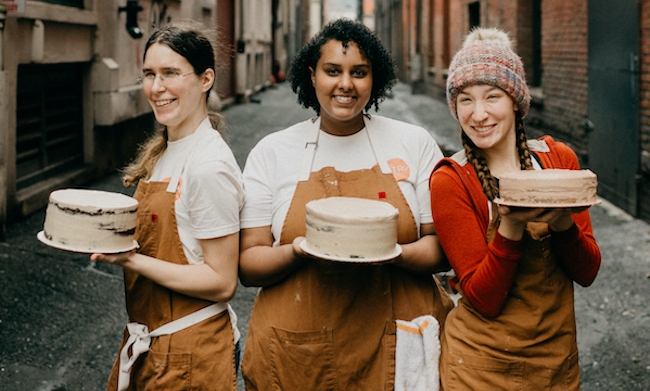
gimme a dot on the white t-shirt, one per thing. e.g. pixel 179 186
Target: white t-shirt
pixel 273 167
pixel 210 194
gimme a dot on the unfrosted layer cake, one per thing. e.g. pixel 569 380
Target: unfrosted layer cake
pixel 346 227
pixel 90 220
pixel 548 187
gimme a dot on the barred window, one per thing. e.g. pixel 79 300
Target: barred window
pixel 49 115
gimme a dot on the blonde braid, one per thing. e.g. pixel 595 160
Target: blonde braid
pixel 489 183
pixel 148 154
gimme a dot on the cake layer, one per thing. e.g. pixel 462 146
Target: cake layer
pixel 347 227
pixel 549 187
pixel 86 220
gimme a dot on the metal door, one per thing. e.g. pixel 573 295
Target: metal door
pixel 613 99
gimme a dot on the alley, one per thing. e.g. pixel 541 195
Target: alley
pixel 62 316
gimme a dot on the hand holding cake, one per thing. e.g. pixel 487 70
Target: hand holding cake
pixel 511 214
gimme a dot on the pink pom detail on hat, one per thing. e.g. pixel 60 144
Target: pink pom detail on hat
pixel 487 58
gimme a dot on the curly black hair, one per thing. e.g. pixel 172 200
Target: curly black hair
pixel 346 31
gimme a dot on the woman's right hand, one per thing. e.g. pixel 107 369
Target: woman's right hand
pixel 261 264
pixel 513 220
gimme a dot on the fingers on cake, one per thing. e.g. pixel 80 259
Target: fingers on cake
pixel 351 229
pixel 548 188
pixel 90 221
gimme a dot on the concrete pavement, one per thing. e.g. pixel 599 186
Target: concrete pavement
pixel 62 316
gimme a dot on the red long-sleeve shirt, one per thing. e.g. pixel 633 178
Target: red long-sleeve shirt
pixel 486 271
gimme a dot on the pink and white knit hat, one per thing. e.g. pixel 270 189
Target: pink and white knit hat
pixel 487 58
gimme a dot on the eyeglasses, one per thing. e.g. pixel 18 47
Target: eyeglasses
pixel 166 78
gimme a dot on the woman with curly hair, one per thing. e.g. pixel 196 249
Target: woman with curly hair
pixel 318 324
pixel 514 327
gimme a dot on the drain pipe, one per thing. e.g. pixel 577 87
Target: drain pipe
pixel 3 16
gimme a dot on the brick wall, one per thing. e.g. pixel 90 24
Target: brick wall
pixel 644 63
pixel 564 78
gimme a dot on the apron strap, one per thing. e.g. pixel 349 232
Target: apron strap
pixel 140 338
pixel 311 145
pixel 376 146
pixel 178 170
pixel 310 150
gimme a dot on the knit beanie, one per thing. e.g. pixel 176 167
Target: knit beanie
pixel 487 58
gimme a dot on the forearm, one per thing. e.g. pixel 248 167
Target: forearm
pixel 578 254
pixel 266 265
pixel 423 256
pixel 200 281
pixel 488 286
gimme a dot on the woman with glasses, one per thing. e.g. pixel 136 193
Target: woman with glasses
pixel 182 333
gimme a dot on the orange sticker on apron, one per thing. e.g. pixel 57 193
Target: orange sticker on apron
pixel 401 170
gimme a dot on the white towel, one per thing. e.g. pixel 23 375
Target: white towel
pixel 417 354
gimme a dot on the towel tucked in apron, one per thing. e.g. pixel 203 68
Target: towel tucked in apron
pixel 331 325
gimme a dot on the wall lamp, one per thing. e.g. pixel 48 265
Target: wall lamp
pixel 132 8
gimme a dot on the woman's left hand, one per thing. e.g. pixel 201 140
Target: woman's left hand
pixel 425 255
pixel 558 219
pixel 116 259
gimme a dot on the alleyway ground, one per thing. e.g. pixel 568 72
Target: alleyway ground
pixel 61 316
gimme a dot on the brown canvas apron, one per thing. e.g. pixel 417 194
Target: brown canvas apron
pixel 531 345
pixel 200 357
pixel 331 325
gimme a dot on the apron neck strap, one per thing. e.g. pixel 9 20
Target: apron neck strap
pixel 311 145
pixel 376 145
pixel 178 170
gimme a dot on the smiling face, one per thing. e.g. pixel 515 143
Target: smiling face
pixel 178 101
pixel 487 115
pixel 343 83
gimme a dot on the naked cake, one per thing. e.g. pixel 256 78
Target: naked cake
pixel 90 221
pixel 351 228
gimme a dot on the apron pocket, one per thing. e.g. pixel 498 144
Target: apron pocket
pixel 469 372
pixel 165 371
pixel 303 360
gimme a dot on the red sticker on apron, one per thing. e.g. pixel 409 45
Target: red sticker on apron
pixel 154 217
pixel 382 194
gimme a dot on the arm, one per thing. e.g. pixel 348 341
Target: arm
pixel 572 236
pixel 260 263
pixel 214 280
pixel 485 271
pixel 425 255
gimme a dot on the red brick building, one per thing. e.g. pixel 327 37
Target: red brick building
pixel 587 63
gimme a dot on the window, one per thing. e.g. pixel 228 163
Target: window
pixel 474 14
pixel 71 3
pixel 49 128
pixel 536 77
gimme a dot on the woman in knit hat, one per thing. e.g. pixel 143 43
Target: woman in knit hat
pixel 514 327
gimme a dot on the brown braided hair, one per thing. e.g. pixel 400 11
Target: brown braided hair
pixel 488 181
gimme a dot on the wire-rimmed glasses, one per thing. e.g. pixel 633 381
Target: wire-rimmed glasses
pixel 166 78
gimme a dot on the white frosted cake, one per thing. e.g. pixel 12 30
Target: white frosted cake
pixel 357 228
pixel 548 188
pixel 90 220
